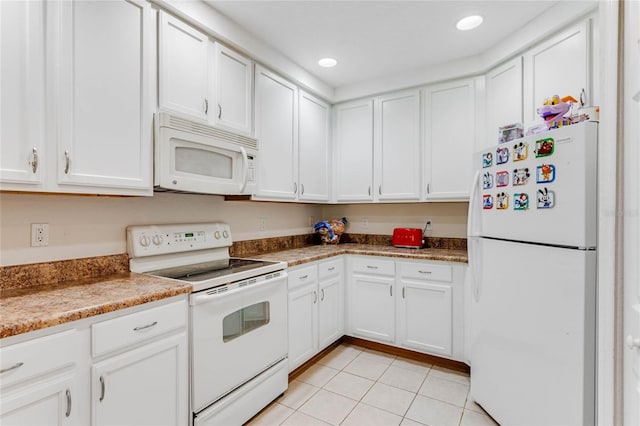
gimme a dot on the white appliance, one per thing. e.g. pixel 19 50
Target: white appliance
pixel 238 309
pixel 532 264
pixel 195 157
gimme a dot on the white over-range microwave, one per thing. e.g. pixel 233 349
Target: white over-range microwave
pixel 195 157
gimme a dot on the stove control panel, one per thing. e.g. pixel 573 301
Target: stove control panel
pixel 151 240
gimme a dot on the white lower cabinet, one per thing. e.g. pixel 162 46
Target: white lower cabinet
pixel 371 302
pixel 417 305
pixel 39 381
pixel 114 369
pixel 315 309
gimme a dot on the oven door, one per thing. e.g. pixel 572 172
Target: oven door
pixel 235 335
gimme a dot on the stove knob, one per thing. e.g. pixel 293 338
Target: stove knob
pixel 225 233
pixel 145 241
pixel 157 239
pixel 217 235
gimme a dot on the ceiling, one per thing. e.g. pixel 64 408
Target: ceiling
pixel 374 39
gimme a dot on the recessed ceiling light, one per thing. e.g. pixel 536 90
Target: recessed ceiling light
pixel 469 23
pixel 327 62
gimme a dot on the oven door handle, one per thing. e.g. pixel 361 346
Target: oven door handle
pixel 205 298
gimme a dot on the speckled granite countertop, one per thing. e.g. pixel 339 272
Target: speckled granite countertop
pixel 33 308
pixel 302 255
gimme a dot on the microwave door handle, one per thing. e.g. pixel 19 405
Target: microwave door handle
pixel 245 169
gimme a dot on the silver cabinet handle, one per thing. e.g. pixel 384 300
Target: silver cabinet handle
pixel 304 277
pixel 295 188
pixel 206 106
pixel 322 295
pixel 101 388
pixel 68 412
pixel 403 292
pixel 379 189
pixel 331 269
pixel 424 272
pixel 372 267
pixel 34 162
pixel 428 188
pixel 13 367
pixel 369 191
pixel 302 189
pixel 142 327
pixel 315 297
pixel 391 291
pixel 67 162
pixel 219 112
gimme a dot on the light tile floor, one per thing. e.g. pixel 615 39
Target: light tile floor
pixel 362 387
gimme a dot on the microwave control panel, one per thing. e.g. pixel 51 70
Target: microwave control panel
pixel 151 240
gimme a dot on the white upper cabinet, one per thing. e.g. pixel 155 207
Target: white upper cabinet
pixel 313 148
pixel 354 151
pixel 397 146
pixel 233 86
pixel 449 123
pixel 184 61
pixel 22 92
pixel 277 133
pixel 503 104
pixel 559 66
pixel 203 79
pixel 105 104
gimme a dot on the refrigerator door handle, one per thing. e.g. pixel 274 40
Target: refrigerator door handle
pixel 474 213
pixel 475 265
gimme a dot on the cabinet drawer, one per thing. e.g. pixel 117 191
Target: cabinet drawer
pixel 37 357
pixel 118 333
pixel 373 266
pixel 426 271
pixel 330 268
pixel 302 276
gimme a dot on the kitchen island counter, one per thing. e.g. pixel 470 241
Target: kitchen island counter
pixel 303 255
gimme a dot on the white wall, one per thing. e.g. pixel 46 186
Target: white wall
pixel 448 219
pixel 85 226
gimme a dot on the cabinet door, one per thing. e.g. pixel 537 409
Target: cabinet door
pixel 503 100
pixel 46 402
pixel 184 68
pixel 354 151
pixel 147 385
pixel 449 139
pixel 233 90
pixel 276 129
pixel 313 148
pixel 105 109
pixel 303 324
pixel 372 307
pixel 22 93
pixel 560 66
pixel 397 146
pixel 330 312
pixel 425 317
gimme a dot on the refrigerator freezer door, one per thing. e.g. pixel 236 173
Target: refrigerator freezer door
pixel 533 333
pixel 541 188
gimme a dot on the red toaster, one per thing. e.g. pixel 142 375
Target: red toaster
pixel 407 238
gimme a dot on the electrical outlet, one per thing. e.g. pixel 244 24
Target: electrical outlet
pixel 365 223
pixel 39 234
pixel 262 224
pixel 428 226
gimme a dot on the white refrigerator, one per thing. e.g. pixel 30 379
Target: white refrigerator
pixel 532 268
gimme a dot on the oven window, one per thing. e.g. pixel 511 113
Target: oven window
pixel 204 163
pixel 245 320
